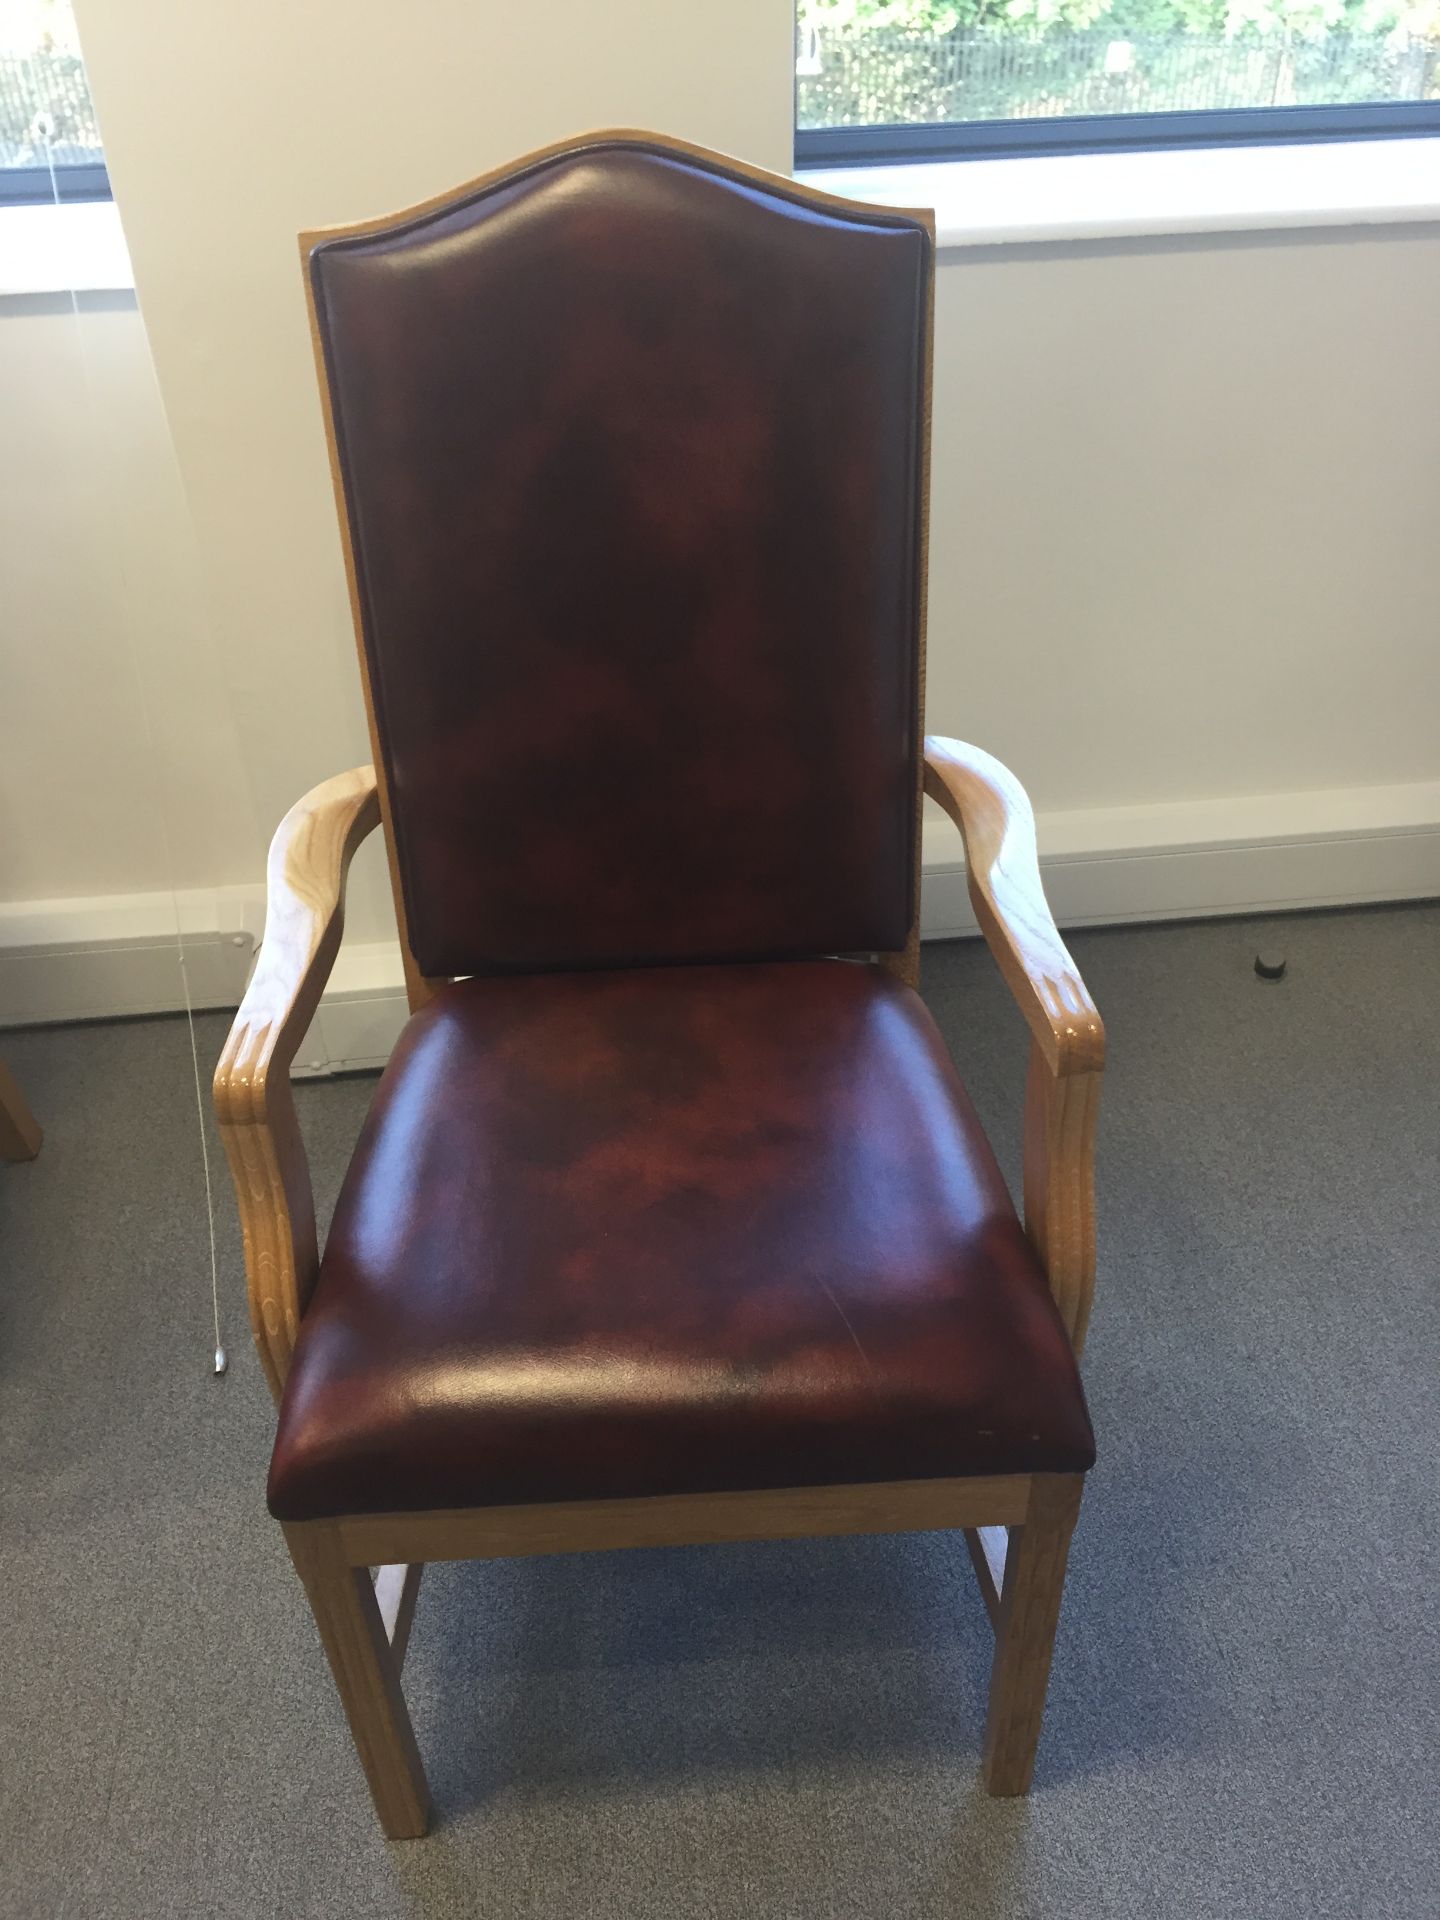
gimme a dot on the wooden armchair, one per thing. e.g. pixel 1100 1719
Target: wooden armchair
pixel 671 1221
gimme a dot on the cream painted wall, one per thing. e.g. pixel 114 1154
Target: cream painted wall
pixel 1184 491
pixel 120 767
pixel 1186 536
pixel 231 126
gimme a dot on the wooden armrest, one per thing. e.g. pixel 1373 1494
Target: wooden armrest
pixel 304 915
pixel 992 811
pixel 1062 1098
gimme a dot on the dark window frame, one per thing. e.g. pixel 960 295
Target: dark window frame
pixel 44 186
pixel 1112 133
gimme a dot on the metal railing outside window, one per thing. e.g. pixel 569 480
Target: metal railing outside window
pixel 866 90
pixel 49 141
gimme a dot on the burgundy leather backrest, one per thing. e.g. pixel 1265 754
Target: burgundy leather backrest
pixel 631 448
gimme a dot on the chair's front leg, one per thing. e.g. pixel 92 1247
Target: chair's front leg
pixel 1025 1630
pixel 367 1673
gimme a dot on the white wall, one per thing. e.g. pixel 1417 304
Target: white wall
pixel 1184 492
pixel 231 126
pixel 1186 538
pixel 120 770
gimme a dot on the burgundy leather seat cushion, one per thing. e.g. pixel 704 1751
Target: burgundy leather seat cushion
pixel 671 1230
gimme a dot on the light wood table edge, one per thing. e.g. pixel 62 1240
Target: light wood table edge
pixel 20 1134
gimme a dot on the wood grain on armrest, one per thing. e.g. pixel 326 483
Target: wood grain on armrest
pixel 305 889
pixel 991 809
pixel 1062 1095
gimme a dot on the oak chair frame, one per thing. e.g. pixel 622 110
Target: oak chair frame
pixel 362 1572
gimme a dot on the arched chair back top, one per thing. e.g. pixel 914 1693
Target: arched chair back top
pixel 631 445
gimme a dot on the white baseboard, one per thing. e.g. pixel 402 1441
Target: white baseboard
pixel 360 1014
pixel 106 956
pixel 1187 860
pixel 1102 867
pixel 69 960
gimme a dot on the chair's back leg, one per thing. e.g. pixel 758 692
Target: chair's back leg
pixel 1025 1630
pixel 352 1629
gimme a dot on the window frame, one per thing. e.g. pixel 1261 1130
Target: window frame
pixel 52 186
pixel 1111 133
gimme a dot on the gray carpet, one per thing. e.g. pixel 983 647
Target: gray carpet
pixel 1243 1717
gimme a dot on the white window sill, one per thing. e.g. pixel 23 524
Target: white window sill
pixel 80 247
pixel 1096 196
pixel 77 247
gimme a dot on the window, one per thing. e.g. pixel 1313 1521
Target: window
pixel 49 143
pixel 913 79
